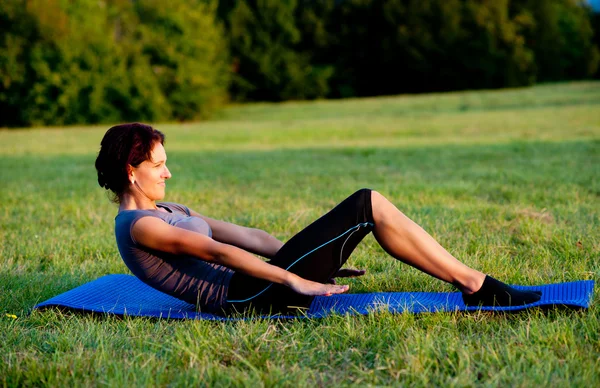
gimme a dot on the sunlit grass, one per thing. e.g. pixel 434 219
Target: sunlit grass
pixel 506 180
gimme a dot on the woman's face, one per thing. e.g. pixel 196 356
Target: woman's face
pixel 150 175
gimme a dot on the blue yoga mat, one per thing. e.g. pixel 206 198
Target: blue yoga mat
pixel 126 295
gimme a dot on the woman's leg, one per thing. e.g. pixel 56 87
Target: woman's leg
pixel 406 241
pixel 321 249
pixel 403 239
pixel 316 253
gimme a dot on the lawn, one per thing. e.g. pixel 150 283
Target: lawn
pixel 508 181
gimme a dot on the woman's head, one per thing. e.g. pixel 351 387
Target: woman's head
pixel 126 153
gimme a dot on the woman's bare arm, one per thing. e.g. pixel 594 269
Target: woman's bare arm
pixel 156 234
pixel 257 241
pixel 250 239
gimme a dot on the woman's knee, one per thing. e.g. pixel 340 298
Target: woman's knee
pixel 363 200
pixel 361 192
pixel 382 207
pixel 359 198
pixel 377 199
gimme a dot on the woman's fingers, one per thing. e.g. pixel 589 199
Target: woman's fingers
pixel 348 273
pixel 335 289
pixel 308 287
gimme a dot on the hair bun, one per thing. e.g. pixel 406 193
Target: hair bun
pixel 101 180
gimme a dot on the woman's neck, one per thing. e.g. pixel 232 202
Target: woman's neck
pixel 132 202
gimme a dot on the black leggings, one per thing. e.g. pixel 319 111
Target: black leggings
pixel 316 253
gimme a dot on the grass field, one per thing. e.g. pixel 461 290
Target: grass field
pixel 508 181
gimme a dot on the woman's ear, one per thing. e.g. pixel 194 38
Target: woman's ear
pixel 130 175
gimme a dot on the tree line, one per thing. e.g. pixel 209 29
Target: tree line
pixel 68 62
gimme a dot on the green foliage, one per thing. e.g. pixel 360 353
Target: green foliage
pixel 393 46
pixel 595 21
pixel 187 52
pixel 374 47
pixel 66 62
pixel 264 42
pixel 560 36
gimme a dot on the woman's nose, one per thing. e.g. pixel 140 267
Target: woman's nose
pixel 167 173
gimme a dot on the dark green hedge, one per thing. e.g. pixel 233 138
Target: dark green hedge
pixel 344 48
pixel 67 62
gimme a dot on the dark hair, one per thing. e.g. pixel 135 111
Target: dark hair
pixel 123 145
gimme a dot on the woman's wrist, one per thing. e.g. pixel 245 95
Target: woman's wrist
pixel 290 278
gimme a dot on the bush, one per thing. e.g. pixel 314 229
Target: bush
pixel 67 62
pixel 264 42
pixel 395 46
pixel 109 61
pixel 297 49
pixel 561 37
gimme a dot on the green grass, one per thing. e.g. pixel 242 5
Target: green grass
pixel 507 180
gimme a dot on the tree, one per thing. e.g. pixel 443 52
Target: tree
pixel 68 62
pixel 396 46
pixel 264 41
pixel 561 38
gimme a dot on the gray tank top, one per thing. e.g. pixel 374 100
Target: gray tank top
pixel 184 277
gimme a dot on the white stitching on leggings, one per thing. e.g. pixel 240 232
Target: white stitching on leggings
pixel 353 229
pixel 344 244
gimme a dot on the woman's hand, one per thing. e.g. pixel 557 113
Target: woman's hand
pixel 346 273
pixel 308 287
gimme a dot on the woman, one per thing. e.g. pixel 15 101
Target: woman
pixel 210 263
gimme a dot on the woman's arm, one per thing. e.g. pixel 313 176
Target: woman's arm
pixel 156 234
pixel 250 239
pixel 257 241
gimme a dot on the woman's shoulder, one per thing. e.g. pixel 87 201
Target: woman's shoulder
pixel 126 218
pixel 124 222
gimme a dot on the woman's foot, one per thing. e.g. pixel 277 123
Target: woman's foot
pixel 495 293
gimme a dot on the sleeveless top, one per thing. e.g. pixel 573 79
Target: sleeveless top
pixel 185 277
